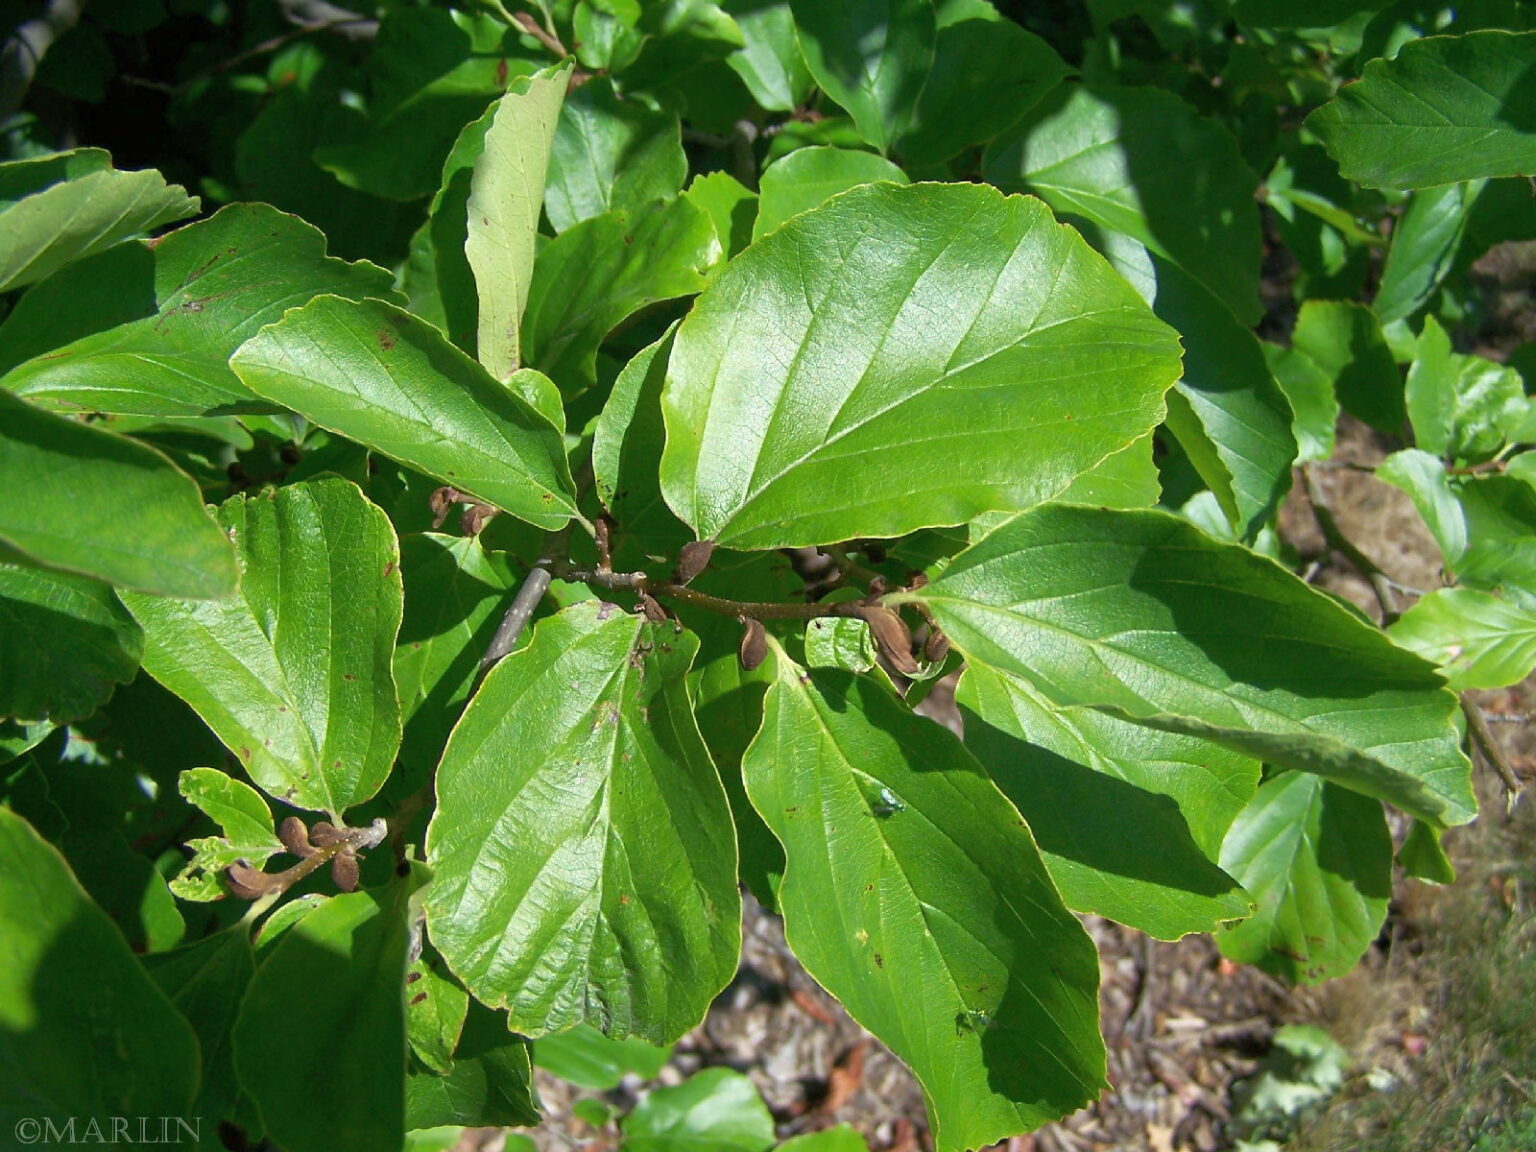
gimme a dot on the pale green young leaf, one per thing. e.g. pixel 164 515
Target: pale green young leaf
pixel 1460 406
pixel 588 1059
pixel 808 176
pixel 871 56
pixel 1424 480
pixel 597 880
pixel 1444 109
pixel 1309 391
pixel 389 380
pixel 921 355
pixel 1073 772
pixel 1317 860
pixel 1139 614
pixel 89 501
pixel 294 674
pixel 718 1109
pixel 914 893
pixel 507 190
pixel 1474 638
pixel 1425 241
pixel 731 205
pixel 769 63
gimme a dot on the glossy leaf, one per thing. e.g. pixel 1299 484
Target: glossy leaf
pixel 595 881
pixel 68 643
pixel 808 176
pixel 334 982
pixel 80 210
pixel 915 895
pixel 1344 340
pixel 1317 859
pixel 1444 109
pixel 901 331
pixel 1140 161
pixel 730 205
pixel 245 821
pixel 1424 246
pixel 1075 772
pixel 293 674
pixel 1422 477
pixel 148 329
pixel 89 501
pixel 588 1059
pixel 389 380
pixel 505 195
pixel 717 1108
pixel 1124 479
pixel 1460 406
pixel 490 1082
pixel 611 155
pixel 206 981
pixel 1140 615
pixel 84 1032
pixel 871 56
pixel 600 272
pixel 769 63
pixel 987 73
pixel 1475 639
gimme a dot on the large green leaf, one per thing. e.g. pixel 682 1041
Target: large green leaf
pixel 597 880
pixel 1317 859
pixel 1141 615
pixel 57 209
pixel 67 642
pixel 206 981
pixel 600 272
pixel 769 63
pixel 84 1032
pixel 86 500
pixel 506 192
pixel 914 894
pixel 917 356
pixel 293 674
pixel 717 1109
pixel 808 176
pixel 1142 162
pixel 333 983
pixel 611 155
pixel 1444 109
pixel 1425 241
pixel 490 1082
pixel 148 329
pixel 871 56
pixel 391 381
pixel 1475 639
pixel 1074 772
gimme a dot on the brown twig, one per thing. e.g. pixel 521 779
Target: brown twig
pixel 1483 739
pixel 527 23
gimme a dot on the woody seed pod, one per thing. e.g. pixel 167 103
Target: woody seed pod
pixel 754 643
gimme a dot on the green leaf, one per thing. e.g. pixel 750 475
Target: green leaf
pixel 1344 340
pixel 618 904
pixel 434 1016
pixel 294 673
pixel 68 643
pixel 1124 479
pixel 490 1083
pixel 1228 412
pixel 506 191
pixel 148 329
pixel 1317 859
pixel 1309 390
pixel 1445 108
pixel 1423 856
pixel 808 176
pixel 389 380
pixel 453 590
pixel 716 1109
pixel 839 643
pixel 598 273
pixel 730 204
pixel 871 56
pixel 84 1032
pixel 89 501
pixel 611 155
pixel 987 72
pixel 588 1059
pixel 1142 162
pixel 839 1139
pixel 909 872
pixel 1460 405
pixel 1425 241
pixel 81 209
pixel 333 983
pixel 206 981
pixel 1140 615
pixel 245 821
pixel 1423 478
pixel 1475 639
pixel 903 331
pixel 769 64
pixel 1074 772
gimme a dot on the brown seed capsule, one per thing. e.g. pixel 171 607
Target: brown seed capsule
pixel 654 612
pixel 892 637
pixel 754 643
pixel 441 500
pixel 249 883
pixel 295 837
pixel 936 647
pixel 324 834
pixel 692 559
pixel 344 871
